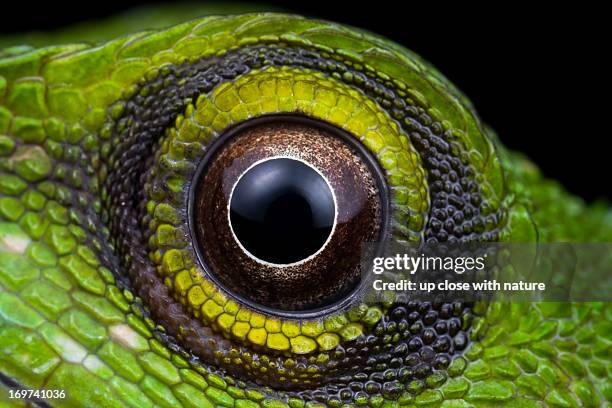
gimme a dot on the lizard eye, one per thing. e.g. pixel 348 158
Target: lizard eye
pixel 280 209
pixel 239 189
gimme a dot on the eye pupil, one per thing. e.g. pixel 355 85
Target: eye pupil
pixel 282 211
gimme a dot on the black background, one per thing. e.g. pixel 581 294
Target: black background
pixel 537 75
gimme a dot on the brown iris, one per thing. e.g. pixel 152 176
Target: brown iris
pixel 280 208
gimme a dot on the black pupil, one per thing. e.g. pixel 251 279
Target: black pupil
pixel 282 211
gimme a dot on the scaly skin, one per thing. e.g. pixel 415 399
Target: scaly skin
pixel 73 311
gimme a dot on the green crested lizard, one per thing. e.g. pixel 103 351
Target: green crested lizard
pixel 101 294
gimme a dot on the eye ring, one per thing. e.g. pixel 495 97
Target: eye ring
pixel 354 144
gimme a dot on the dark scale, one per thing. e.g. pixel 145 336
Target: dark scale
pixel 408 343
pixel 382 374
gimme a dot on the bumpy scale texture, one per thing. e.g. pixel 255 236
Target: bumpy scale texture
pixel 101 293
